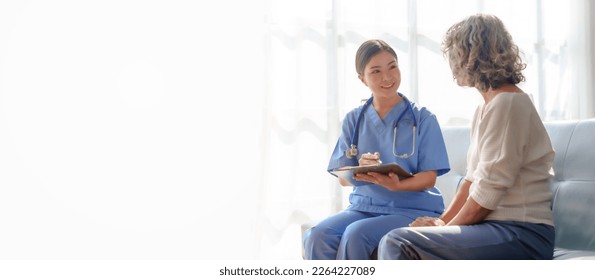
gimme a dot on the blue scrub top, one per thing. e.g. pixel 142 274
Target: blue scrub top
pixel 376 135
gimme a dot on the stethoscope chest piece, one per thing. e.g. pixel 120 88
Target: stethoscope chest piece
pixel 351 152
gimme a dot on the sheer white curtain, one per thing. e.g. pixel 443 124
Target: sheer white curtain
pixel 300 114
pixel 579 103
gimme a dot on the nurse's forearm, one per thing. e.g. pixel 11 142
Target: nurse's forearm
pixel 344 182
pixel 421 181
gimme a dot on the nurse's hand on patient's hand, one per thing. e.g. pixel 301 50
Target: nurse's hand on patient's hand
pixel 427 222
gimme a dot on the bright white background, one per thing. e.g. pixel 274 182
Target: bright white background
pixel 119 120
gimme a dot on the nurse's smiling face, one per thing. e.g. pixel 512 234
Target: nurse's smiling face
pixel 382 74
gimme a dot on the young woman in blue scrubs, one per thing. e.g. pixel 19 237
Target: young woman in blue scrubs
pixel 390 129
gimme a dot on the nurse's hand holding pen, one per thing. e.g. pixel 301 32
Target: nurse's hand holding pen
pixel 370 159
pixel 390 181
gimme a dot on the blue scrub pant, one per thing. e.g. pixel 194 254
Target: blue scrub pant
pixel 353 235
pixel 491 240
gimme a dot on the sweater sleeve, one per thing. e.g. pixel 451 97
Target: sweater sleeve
pixel 503 132
pixel 471 150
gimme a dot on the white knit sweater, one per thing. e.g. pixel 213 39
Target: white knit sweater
pixel 510 160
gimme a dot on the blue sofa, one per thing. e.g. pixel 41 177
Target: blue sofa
pixel 573 185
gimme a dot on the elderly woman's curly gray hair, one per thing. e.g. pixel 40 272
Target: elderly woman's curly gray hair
pixel 482 53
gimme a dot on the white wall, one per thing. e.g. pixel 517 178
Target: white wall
pixel 117 119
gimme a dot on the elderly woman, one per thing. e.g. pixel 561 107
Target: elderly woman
pixel 502 208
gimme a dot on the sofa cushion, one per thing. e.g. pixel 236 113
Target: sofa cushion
pixel 573 185
pixel 457 141
pixel 563 254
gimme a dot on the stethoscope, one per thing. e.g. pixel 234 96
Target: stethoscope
pixel 352 151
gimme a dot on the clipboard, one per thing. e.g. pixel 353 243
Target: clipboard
pixel 347 172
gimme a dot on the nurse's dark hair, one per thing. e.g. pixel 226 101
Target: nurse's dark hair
pixel 481 51
pixel 367 50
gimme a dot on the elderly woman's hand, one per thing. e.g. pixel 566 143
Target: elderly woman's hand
pixel 427 222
